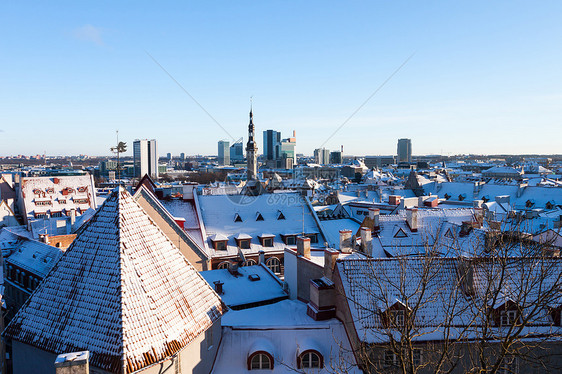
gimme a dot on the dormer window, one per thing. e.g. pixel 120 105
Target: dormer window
pixel 259 217
pixel 280 215
pixel 508 317
pixel 310 359
pixel 507 314
pixel 243 241
pixel 529 203
pixel 449 234
pixel 549 205
pixel 447 196
pixel 289 239
pixel 260 360
pixel 266 240
pixel 237 218
pixel 219 242
pixel 400 234
pixel 462 197
pixel 395 316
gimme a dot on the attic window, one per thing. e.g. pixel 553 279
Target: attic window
pixel 449 234
pixel 400 234
pixel 508 317
pixel 259 217
pixel 549 205
pixel 462 197
pixel 244 243
pixel 237 218
pixel 529 203
pixel 280 216
pixel 447 196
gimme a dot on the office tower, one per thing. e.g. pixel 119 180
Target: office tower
pixel 322 156
pixel 169 156
pixel 182 156
pixel 404 151
pixel 251 151
pixel 145 158
pixel 237 151
pixel 335 157
pixel 271 145
pixel 224 152
pixel 288 156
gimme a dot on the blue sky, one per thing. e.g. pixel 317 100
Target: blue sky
pixel 485 76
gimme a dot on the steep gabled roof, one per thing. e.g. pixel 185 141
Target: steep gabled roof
pixel 122 290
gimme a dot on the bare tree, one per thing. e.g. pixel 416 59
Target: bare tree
pixel 493 311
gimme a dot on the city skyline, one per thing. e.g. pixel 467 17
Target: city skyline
pixel 482 77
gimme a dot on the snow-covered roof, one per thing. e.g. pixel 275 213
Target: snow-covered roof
pixel 33 256
pixel 122 290
pixel 245 217
pixel 253 284
pixel 283 330
pixel 57 194
pixel 374 285
pixel 332 227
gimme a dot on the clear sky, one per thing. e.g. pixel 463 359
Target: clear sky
pixel 485 77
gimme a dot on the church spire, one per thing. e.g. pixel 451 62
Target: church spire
pixel 251 149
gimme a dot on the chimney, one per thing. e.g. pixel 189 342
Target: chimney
pixel 303 246
pixel 233 268
pixel 465 273
pixel 412 218
pixel 477 203
pixel 218 287
pixel 374 215
pixel 394 199
pixel 345 241
pixel 322 303
pixel 366 241
pixel 73 363
pixel 479 216
pixel 261 258
pixel 44 238
pixel 72 217
pixel 330 257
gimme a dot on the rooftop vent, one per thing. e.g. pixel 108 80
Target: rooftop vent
pixel 254 277
pixel 218 287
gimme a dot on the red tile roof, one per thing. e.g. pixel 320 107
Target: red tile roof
pixel 123 291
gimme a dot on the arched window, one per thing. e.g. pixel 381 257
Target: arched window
pixel 310 359
pixel 249 262
pixel 260 360
pixel 223 265
pixel 274 265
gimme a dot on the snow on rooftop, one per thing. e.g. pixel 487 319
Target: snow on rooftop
pixel 122 290
pixel 241 290
pixel 284 331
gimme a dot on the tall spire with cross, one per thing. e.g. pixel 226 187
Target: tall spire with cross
pixel 251 149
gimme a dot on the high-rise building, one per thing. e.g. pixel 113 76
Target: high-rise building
pixel 145 158
pixel 182 156
pixel 251 151
pixel 288 156
pixel 404 150
pixel 224 152
pixel 237 151
pixel 335 157
pixel 271 145
pixel 169 156
pixel 322 156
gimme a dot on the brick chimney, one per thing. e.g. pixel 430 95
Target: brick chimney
pixel 303 246
pixel 261 258
pixel 218 287
pixel 346 244
pixel 374 215
pixel 73 363
pixel 330 257
pixel 412 218
pixel 366 241
pixel 322 299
